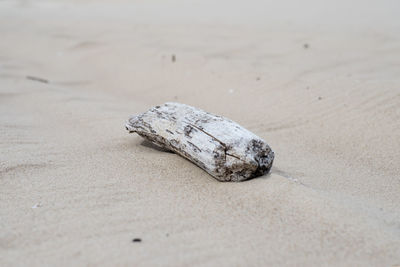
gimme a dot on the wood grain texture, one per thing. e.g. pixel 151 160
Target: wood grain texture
pixel 221 147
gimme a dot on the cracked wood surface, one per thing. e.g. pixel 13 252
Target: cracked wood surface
pixel 221 147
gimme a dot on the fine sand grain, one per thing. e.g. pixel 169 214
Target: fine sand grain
pixel 319 82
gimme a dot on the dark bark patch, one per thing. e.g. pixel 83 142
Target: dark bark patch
pixel 195 148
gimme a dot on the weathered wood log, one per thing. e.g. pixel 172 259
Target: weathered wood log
pixel 216 144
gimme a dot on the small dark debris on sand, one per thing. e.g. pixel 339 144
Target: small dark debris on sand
pixel 37 79
pixel 136 240
pixel 258 78
pixel 306 46
pixel 320 98
pixel 173 58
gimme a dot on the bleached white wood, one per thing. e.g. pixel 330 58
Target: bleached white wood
pixel 223 148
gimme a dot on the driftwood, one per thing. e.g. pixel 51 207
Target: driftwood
pixel 216 144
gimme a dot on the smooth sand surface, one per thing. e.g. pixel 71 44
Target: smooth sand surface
pixel 320 82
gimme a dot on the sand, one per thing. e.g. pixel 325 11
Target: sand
pixel 318 81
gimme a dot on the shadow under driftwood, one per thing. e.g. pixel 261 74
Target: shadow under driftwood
pixel 153 146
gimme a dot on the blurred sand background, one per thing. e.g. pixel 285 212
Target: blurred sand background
pixel 318 80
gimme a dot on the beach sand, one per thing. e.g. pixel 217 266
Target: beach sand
pixel 319 82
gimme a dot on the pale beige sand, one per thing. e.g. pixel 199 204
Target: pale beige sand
pixel 75 188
